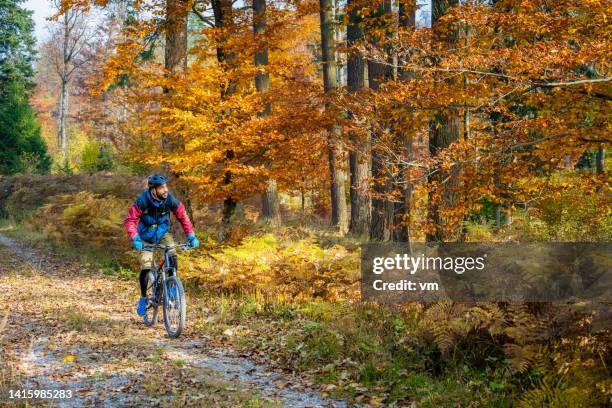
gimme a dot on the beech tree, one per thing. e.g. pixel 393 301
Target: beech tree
pixel 339 215
pixel 175 63
pixel 380 26
pixel 359 155
pixel 270 206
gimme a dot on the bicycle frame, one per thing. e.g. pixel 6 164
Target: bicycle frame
pixel 161 270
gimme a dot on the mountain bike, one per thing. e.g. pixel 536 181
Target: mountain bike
pixel 158 288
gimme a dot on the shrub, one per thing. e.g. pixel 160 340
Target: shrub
pixel 21 194
pixel 95 158
pixel 64 168
pixel 297 270
pixel 571 215
pixel 85 219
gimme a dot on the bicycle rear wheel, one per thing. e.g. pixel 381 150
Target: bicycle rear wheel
pixel 174 307
pixel 150 318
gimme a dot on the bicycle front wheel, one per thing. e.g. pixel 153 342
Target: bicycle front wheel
pixel 174 306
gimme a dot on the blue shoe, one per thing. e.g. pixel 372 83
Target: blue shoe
pixel 172 292
pixel 142 306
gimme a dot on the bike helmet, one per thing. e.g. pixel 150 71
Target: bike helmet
pixel 155 180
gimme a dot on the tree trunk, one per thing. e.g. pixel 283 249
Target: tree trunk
pixel 270 204
pixel 222 10
pixel 270 207
pixel 223 13
pixel 175 52
pixel 444 130
pixel 498 218
pixel 360 199
pixel 600 160
pixel 401 209
pixel 467 117
pixel 401 213
pixel 175 61
pixel 507 217
pixel 62 136
pixel 337 170
pixel 359 154
pixel 382 208
pixel 336 154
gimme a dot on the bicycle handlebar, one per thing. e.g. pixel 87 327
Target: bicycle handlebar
pixel 151 248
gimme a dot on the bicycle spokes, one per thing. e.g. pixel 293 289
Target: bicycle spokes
pixel 172 309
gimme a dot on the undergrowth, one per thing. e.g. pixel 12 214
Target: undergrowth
pixel 291 295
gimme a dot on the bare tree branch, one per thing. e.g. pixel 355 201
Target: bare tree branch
pixel 201 16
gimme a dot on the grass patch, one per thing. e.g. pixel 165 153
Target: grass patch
pixel 77 321
pixel 157 356
pixel 180 362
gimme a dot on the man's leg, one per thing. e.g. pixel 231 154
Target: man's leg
pixel 146 264
pixel 143 282
pixel 168 239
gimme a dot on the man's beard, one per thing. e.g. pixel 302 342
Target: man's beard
pixel 159 197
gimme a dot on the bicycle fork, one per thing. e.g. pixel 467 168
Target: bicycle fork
pixel 161 287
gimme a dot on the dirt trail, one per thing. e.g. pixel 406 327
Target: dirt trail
pixel 73 328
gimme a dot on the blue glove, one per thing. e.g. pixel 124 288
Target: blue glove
pixel 137 243
pixel 193 241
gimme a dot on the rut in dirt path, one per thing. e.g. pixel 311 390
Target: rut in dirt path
pixel 75 329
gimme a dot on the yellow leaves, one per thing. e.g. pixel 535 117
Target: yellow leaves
pixel 69 358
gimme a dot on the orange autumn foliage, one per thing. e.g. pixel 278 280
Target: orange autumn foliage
pixel 528 79
pixel 195 109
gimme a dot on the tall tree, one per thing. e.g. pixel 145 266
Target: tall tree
pixel 21 146
pixel 222 10
pixel 360 150
pixel 403 203
pixel 270 206
pixel 17 44
pixel 444 130
pixel 175 63
pixel 336 153
pixel 72 32
pixel 378 73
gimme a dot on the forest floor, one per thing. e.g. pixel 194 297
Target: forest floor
pixel 66 325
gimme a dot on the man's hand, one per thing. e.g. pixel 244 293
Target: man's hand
pixel 193 241
pixel 137 243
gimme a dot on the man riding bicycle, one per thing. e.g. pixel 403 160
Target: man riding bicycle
pixel 148 222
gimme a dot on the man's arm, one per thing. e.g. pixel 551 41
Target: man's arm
pixel 181 214
pixel 131 220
